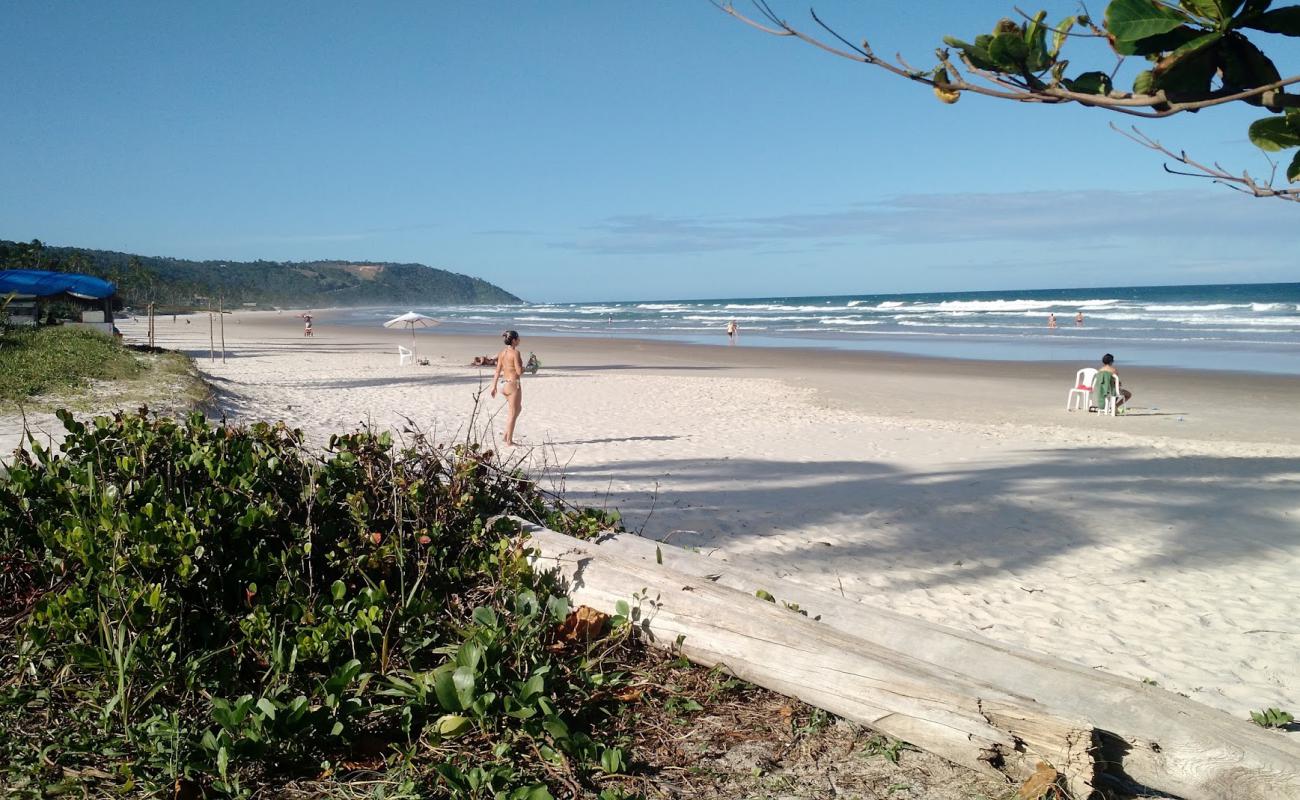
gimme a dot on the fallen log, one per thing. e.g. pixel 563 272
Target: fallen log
pixel 989 706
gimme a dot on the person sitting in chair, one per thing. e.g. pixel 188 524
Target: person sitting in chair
pixel 1108 365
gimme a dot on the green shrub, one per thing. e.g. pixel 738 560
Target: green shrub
pixel 220 608
pixel 38 360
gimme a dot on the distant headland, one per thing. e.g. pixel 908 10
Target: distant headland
pixel 180 282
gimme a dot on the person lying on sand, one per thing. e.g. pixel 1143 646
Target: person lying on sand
pixel 484 361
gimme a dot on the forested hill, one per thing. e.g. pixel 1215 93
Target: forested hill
pixel 177 282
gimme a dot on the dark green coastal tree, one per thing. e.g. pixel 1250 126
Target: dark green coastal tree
pixel 1199 54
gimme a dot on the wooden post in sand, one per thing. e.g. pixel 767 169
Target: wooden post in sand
pixel 151 345
pixel 221 311
pixel 982 704
pixel 212 344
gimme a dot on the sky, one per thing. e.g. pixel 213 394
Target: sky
pixel 572 151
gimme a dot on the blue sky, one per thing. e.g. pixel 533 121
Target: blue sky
pixel 579 151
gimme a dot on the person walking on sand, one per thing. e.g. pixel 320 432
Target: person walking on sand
pixel 732 327
pixel 1078 320
pixel 510 368
pixel 1051 322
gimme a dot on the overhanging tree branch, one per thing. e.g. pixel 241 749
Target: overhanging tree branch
pixel 1199 59
pixel 1217 174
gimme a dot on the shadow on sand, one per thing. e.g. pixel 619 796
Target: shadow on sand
pixel 964 524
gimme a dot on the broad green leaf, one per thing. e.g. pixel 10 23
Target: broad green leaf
pixel 1253 7
pixel 556 727
pixel 1134 20
pixel 1037 58
pixel 444 686
pixel 1190 72
pixel 1245 66
pixel 469 655
pixel 1161 43
pixel 1193 45
pixel 1090 83
pixel 1060 34
pixel 337 590
pixel 1293 171
pixel 485 617
pixel 1284 20
pixel 1008 51
pixel 451 725
pixel 1274 133
pixel 532 687
pixel 266 707
pixel 463 679
pixel 1214 10
pixel 1145 82
pixel 977 53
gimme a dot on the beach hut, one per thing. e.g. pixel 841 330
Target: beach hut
pixel 34 290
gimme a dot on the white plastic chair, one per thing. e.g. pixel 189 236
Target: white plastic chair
pixel 1081 391
pixel 404 355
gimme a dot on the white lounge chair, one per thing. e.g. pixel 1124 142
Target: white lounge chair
pixel 404 355
pixel 1081 391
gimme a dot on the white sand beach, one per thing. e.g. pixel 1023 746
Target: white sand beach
pixel 1162 545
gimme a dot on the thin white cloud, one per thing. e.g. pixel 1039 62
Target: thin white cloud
pixel 1095 217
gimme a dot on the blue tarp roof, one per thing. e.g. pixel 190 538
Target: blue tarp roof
pixel 51 284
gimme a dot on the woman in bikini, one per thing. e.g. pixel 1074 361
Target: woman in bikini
pixel 510 366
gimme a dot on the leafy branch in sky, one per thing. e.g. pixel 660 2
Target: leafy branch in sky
pixel 1198 56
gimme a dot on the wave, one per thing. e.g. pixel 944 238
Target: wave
pixel 777 307
pixel 1010 305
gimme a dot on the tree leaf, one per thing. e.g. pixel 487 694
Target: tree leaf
pixel 1245 66
pixel 1161 43
pixel 1190 72
pixel 1008 51
pixel 1060 33
pixel 1090 83
pixel 1130 21
pixel 1285 20
pixel 1293 171
pixel 1037 58
pixel 1273 133
pixel 1202 8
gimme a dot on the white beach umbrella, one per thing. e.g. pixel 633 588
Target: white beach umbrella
pixel 412 320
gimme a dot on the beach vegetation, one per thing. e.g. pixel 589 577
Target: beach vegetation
pixel 880 746
pixel 216 608
pixel 1272 718
pixel 193 609
pixel 1176 57
pixel 36 361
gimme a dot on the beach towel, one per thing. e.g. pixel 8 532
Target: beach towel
pixel 1103 386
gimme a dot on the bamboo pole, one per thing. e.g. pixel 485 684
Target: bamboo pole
pixel 212 345
pixel 221 311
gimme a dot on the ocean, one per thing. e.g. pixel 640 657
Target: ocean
pixel 1242 327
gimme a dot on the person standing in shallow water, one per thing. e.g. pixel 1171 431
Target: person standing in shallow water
pixel 732 327
pixel 1051 322
pixel 1078 320
pixel 510 368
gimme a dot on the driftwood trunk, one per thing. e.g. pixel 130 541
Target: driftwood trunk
pixel 992 707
